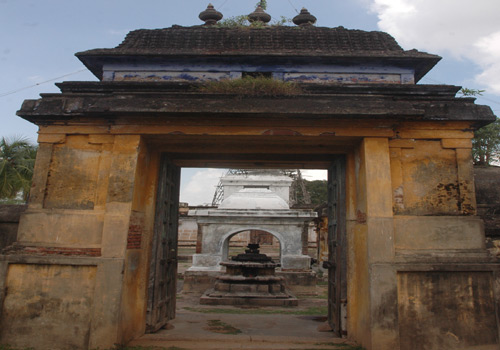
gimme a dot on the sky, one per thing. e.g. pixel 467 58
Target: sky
pixel 38 40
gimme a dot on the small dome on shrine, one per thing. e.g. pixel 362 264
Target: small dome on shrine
pixel 304 18
pixel 254 198
pixel 210 16
pixel 259 15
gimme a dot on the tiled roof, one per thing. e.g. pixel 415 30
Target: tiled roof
pixel 284 40
pixel 339 44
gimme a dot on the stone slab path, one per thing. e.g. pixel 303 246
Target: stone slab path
pixel 205 327
pixel 193 330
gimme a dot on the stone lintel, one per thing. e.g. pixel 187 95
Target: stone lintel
pixel 359 102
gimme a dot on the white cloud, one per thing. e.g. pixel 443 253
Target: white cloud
pixel 489 50
pixel 118 32
pixel 460 28
pixel 312 175
pixel 200 188
pixel 35 78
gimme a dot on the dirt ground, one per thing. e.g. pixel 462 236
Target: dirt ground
pixel 208 327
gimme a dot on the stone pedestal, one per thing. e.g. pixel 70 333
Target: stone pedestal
pixel 249 280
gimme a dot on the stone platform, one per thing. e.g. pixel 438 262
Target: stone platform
pixel 298 282
pixel 239 290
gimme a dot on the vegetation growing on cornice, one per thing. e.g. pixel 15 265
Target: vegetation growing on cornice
pixel 252 86
pixel 243 22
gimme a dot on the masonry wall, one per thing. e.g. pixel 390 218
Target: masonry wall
pixel 488 204
pixel 410 210
pixel 9 222
pixel 412 232
pixel 436 235
pixel 79 240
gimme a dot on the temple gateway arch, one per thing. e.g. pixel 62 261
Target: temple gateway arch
pixel 95 259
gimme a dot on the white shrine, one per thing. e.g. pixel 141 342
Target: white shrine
pixel 253 200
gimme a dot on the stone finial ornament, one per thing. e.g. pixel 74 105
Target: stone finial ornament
pixel 259 15
pixel 210 16
pixel 304 18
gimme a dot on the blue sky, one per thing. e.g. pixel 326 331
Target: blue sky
pixel 38 39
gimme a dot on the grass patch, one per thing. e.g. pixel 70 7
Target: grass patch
pixel 217 326
pixel 311 311
pixel 251 86
pixel 124 347
pixel 342 346
pixel 116 347
pixel 8 347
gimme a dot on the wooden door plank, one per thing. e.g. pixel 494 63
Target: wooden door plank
pixel 163 268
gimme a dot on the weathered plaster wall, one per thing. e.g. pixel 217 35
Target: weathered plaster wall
pixel 370 232
pixel 48 299
pixel 452 311
pixel 67 203
pixel 433 192
pixel 412 208
pixel 435 229
pixel 137 255
pixel 432 171
pixel 391 203
pixel 78 219
pixel 9 223
pixel 193 70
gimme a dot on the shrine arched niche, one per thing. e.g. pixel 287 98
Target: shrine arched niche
pixel 252 232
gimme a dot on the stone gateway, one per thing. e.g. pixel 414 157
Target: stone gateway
pixel 95 259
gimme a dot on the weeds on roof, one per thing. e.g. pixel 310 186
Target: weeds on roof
pixel 251 86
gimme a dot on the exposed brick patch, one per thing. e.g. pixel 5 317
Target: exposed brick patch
pixel 135 229
pixel 360 217
pixel 134 241
pixel 58 251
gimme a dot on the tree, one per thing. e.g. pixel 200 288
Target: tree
pixel 317 191
pixel 486 141
pixel 17 160
pixel 486 144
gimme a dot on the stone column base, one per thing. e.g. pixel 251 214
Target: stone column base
pixel 295 262
pixel 206 262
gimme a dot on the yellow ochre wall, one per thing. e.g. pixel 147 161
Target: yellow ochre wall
pixel 409 189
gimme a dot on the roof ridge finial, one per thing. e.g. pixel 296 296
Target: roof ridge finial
pixel 259 15
pixel 210 16
pixel 304 18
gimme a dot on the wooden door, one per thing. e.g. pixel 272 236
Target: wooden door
pixel 336 264
pixel 163 268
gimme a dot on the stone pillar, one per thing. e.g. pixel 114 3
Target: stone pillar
pixel 372 307
pixel 380 242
